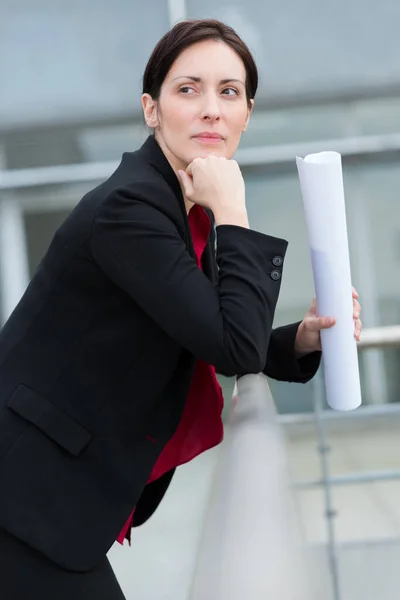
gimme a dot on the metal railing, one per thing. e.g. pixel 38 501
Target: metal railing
pixel 360 147
pixel 380 337
pixel 251 545
pixel 251 538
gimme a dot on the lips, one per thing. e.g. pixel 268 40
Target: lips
pixel 208 135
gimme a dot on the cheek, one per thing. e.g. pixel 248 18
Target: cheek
pixel 237 119
pixel 175 114
pixel 236 129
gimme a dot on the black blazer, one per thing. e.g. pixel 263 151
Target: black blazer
pixel 97 358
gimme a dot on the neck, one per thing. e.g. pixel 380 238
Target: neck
pixel 188 204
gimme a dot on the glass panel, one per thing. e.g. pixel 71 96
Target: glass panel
pixel 373 214
pixel 323 122
pixel 366 514
pixel 108 143
pixel 72 146
pixel 312 47
pixel 67 61
pixel 40 228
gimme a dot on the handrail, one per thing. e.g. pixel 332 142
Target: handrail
pixel 373 337
pixel 251 546
pixel 251 538
pixel 361 146
pixel 380 337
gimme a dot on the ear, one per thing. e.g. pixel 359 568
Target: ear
pixel 249 111
pixel 150 111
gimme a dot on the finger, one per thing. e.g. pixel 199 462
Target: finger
pixel 355 293
pixel 356 309
pixel 187 183
pixel 312 311
pixel 193 165
pixel 318 323
pixel 358 329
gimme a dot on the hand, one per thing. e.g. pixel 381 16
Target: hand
pixel 216 183
pixel 308 338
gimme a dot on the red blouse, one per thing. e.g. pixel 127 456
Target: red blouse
pixel 201 425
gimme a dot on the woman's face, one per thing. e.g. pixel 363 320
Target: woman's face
pixel 202 108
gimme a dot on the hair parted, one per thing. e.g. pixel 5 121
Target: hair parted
pixel 185 34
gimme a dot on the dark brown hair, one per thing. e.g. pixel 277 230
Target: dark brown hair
pixel 185 34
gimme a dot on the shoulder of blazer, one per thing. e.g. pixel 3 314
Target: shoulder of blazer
pixel 147 176
pixel 148 172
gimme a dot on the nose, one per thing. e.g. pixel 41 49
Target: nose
pixel 210 110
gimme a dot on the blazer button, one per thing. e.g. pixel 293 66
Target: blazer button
pixel 275 275
pixel 277 261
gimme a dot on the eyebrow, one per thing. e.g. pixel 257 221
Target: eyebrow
pixel 198 79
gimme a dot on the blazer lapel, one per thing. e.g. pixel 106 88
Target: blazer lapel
pixel 208 260
pixel 155 156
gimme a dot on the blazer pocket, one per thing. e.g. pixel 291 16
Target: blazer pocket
pixel 56 424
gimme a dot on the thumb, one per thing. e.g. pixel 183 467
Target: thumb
pixel 187 183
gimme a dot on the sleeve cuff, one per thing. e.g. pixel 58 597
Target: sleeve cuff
pixel 282 363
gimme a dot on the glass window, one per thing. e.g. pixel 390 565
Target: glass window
pixel 312 48
pixel 74 61
pixel 40 228
pixel 53 147
pixel 108 143
pixel 373 215
pixel 322 122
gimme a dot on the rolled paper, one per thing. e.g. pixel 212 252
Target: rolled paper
pixel 321 183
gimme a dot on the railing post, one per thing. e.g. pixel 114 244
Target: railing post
pixel 330 513
pixel 14 271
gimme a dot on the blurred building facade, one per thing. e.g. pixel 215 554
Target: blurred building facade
pixel 70 84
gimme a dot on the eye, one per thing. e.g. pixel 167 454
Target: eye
pixel 231 92
pixel 187 90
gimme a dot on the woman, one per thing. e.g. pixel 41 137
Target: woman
pixel 107 365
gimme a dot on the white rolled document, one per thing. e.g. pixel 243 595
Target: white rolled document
pixel 321 183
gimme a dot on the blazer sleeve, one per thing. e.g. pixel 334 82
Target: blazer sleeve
pixel 282 363
pixel 227 325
